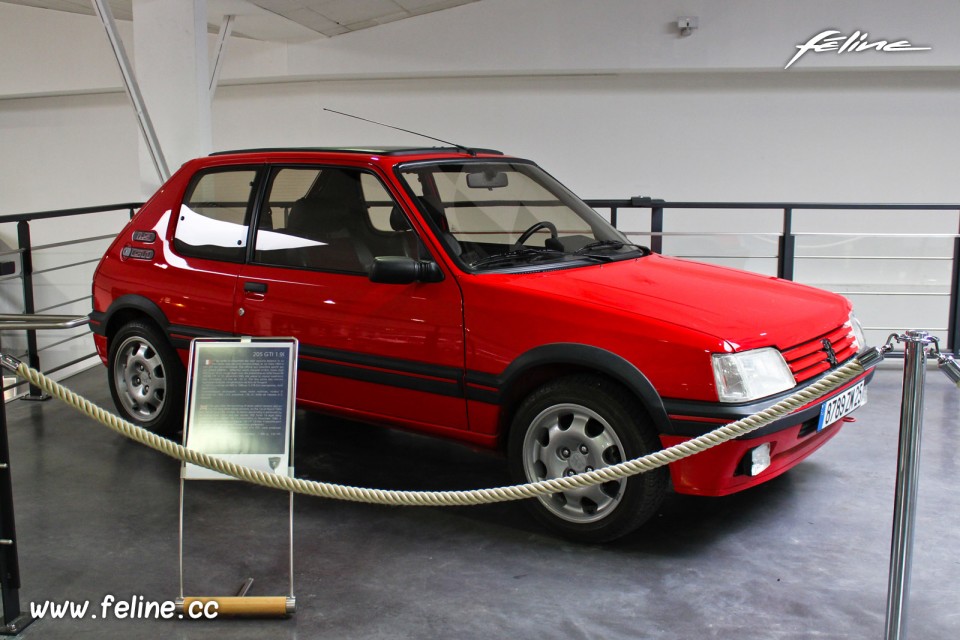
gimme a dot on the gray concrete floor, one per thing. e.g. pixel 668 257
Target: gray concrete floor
pixel 804 556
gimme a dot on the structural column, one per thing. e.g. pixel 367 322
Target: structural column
pixel 172 65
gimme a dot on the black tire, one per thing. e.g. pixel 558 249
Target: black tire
pixel 570 425
pixel 146 378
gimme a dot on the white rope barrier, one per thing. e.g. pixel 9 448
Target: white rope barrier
pixel 619 471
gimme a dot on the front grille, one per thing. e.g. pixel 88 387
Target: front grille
pixel 811 358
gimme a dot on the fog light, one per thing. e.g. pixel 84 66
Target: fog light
pixel 759 459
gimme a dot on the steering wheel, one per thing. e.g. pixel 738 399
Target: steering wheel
pixel 536 226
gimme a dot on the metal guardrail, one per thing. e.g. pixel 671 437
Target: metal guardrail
pixel 786 256
pixel 25 252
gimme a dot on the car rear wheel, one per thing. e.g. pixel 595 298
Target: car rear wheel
pixel 578 424
pixel 146 378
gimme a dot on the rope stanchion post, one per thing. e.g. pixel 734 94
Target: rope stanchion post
pixel 908 458
pixel 916 345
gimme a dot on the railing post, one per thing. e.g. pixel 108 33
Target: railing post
pixel 26 275
pixel 656 229
pixel 953 326
pixel 613 217
pixel 788 246
pixel 13 620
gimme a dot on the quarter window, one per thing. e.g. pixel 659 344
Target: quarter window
pixel 213 217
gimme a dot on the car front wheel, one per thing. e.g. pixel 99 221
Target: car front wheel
pixel 146 378
pixel 578 424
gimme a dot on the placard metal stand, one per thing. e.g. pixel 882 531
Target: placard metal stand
pixel 240 407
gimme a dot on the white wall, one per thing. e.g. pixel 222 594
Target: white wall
pixel 711 115
pixel 47 52
pixel 63 152
pixel 605 95
pixel 628 36
pixel 873 136
pixel 67 151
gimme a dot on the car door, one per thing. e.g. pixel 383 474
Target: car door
pixel 370 350
pixel 208 248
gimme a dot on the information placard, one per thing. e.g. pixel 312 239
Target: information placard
pixel 240 403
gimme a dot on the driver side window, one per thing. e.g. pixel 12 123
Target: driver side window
pixel 330 219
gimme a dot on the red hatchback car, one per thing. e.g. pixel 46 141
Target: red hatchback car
pixel 467 294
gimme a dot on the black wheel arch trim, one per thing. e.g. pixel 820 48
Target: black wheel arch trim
pixel 99 321
pixel 582 355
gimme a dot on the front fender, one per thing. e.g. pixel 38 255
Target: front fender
pixel 581 357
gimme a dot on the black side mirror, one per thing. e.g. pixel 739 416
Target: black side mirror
pixel 402 270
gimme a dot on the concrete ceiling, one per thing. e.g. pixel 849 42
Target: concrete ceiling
pixel 281 20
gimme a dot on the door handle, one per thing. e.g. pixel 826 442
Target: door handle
pixel 255 287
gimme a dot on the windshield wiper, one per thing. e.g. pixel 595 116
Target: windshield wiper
pixel 533 252
pixel 610 244
pixel 510 256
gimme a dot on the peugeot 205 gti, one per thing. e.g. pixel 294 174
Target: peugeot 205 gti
pixel 468 295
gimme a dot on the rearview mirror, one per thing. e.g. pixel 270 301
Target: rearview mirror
pixel 487 179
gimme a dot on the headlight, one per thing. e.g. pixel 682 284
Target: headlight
pixel 858 332
pixel 750 375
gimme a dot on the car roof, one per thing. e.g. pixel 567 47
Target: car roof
pixel 363 150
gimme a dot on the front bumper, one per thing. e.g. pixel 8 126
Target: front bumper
pixel 718 471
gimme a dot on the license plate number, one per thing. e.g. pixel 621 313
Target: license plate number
pixel 843 404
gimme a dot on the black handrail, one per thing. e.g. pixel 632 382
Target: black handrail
pixel 26 249
pixel 66 213
pixel 786 253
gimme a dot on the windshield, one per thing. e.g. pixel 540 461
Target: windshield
pixel 511 215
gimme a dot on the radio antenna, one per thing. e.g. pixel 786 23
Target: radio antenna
pixel 422 135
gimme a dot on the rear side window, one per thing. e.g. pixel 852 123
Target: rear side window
pixel 214 215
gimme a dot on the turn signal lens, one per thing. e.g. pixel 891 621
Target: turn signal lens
pixel 858 332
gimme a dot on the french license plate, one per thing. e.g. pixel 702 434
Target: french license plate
pixel 843 404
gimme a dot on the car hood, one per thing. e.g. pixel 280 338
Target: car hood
pixel 743 309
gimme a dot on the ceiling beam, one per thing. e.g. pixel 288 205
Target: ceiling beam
pixel 102 9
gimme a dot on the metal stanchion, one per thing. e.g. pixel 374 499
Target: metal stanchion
pixel 916 346
pixel 908 467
